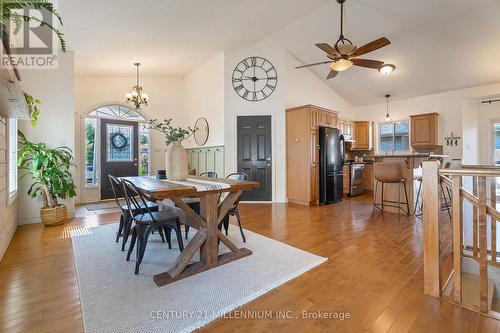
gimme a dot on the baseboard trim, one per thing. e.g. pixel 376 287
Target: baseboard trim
pixel 31 220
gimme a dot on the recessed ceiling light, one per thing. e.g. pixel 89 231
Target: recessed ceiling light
pixel 386 69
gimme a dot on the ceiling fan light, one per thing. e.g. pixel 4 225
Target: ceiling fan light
pixel 341 65
pixel 386 69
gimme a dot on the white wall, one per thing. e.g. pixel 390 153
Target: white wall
pixel 304 87
pixel 488 114
pixel 450 106
pixel 55 89
pixel 204 97
pixel 166 101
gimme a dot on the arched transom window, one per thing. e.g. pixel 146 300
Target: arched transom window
pixel 118 112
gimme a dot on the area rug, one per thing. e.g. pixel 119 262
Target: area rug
pixel 109 204
pixel 113 299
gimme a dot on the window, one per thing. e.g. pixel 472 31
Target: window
pixel 90 151
pixel 12 156
pixel 394 136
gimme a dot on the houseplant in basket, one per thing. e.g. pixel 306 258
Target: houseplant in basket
pixel 176 164
pixel 49 169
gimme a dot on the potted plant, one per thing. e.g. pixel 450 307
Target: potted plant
pixel 176 165
pixel 52 179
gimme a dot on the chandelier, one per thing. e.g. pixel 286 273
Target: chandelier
pixel 136 96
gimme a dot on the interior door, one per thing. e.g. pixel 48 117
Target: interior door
pixel 119 152
pixel 254 155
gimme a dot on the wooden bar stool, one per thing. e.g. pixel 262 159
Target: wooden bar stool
pixel 390 173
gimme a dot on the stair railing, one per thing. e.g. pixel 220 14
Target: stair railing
pixel 436 277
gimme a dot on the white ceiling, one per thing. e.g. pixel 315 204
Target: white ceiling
pixel 437 45
pixel 169 37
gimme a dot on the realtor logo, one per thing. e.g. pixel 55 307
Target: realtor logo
pixel 27 33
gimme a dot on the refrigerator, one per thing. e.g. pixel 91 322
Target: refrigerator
pixel 332 156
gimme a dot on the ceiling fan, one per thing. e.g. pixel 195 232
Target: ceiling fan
pixel 344 54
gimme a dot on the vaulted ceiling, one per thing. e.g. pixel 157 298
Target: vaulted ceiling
pixel 170 37
pixel 437 45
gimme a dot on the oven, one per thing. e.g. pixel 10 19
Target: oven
pixel 356 179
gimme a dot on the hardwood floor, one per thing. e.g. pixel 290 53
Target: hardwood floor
pixel 374 272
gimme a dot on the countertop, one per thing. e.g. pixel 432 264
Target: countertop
pixel 353 162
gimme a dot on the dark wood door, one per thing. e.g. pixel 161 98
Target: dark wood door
pixel 254 155
pixel 119 152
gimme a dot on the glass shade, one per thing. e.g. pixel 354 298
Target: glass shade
pixel 341 65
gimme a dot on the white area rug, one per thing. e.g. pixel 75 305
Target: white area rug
pixel 113 299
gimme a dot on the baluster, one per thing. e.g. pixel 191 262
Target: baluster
pixel 457 202
pixel 474 219
pixel 483 260
pixel 493 201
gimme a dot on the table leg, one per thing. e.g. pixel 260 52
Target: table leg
pixel 209 251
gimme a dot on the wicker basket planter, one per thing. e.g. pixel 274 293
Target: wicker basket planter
pixel 176 163
pixel 54 216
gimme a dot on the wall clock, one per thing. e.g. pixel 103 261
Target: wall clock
pixel 201 134
pixel 254 79
pixel 118 141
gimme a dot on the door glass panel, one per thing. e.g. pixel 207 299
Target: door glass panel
pixel 119 143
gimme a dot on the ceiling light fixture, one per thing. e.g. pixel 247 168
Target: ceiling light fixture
pixel 136 96
pixel 386 69
pixel 341 65
pixel 387 117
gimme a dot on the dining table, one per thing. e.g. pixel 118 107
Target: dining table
pixel 217 197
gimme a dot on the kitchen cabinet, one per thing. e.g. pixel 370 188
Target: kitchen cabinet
pixel 303 151
pixel 424 130
pixel 346 128
pixel 346 176
pixel 368 177
pixel 361 135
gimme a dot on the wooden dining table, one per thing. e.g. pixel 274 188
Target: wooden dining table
pixel 207 237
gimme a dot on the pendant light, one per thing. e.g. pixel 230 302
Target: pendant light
pixel 387 117
pixel 136 96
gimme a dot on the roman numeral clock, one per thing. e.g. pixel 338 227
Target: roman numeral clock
pixel 254 79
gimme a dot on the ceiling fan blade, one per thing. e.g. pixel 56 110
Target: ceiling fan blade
pixel 367 63
pixel 370 47
pixel 315 64
pixel 332 74
pixel 328 49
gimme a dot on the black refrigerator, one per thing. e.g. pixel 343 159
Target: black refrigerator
pixel 332 154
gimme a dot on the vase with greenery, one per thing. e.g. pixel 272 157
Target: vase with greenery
pixel 176 165
pixel 50 171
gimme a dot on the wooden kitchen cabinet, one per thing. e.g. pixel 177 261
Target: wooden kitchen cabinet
pixel 346 128
pixel 424 130
pixel 303 151
pixel 368 177
pixel 362 135
pixel 346 176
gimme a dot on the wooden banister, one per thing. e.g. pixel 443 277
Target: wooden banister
pixel 433 177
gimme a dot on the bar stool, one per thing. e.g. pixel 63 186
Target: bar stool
pixel 445 195
pixel 390 173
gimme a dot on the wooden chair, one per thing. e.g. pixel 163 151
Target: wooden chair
pixel 125 221
pixel 234 210
pixel 147 221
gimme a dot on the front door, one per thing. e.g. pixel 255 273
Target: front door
pixel 119 152
pixel 254 155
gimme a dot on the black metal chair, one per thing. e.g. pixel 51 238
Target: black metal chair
pixel 209 174
pixel 234 210
pixel 194 203
pixel 147 221
pixel 125 221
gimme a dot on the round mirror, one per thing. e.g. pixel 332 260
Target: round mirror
pixel 201 134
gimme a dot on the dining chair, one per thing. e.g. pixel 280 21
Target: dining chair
pixel 125 221
pixel 241 176
pixel 194 203
pixel 209 174
pixel 147 221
